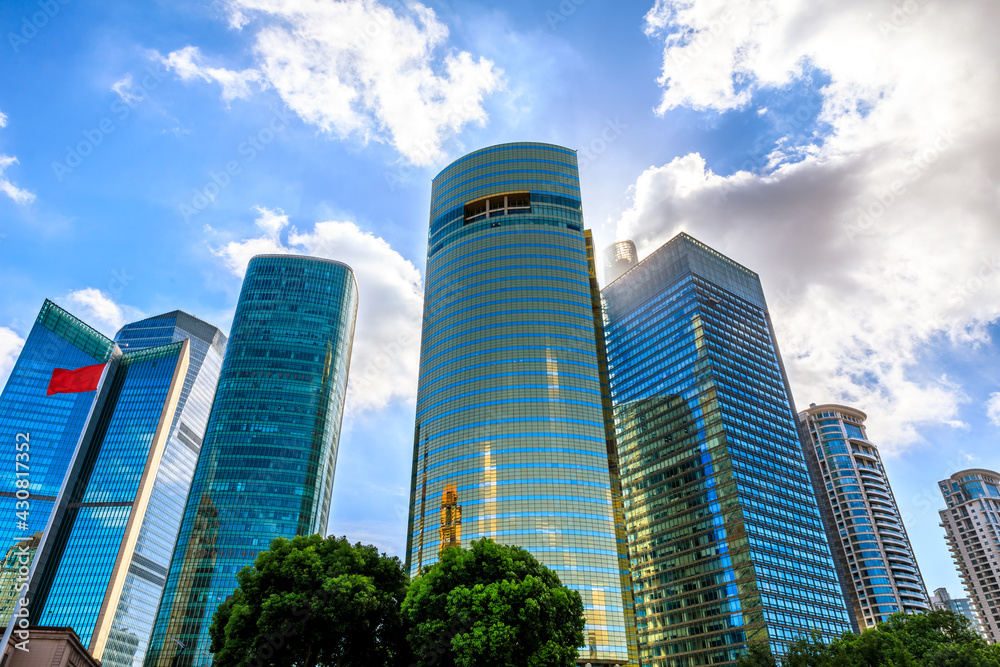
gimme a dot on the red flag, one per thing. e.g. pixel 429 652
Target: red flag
pixel 65 381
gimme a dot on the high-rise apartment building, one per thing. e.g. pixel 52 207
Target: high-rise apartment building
pixel 725 535
pixel 267 462
pixel 510 431
pixel 943 600
pixel 51 426
pixel 972 525
pixel 879 571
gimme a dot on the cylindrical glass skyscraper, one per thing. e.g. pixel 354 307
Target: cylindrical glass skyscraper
pixel 510 440
pixel 267 463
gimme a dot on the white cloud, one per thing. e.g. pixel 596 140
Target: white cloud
pixel 993 408
pixel 357 68
pixel 10 347
pixel 123 88
pixel 881 238
pixel 387 337
pixel 100 311
pixel 189 65
pixel 19 195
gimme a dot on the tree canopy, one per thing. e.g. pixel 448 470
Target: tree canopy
pixel 492 605
pixel 314 601
pixel 935 639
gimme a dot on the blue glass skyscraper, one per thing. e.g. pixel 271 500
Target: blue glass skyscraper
pixel 87 554
pixel 510 438
pixel 100 567
pixel 725 534
pixel 127 618
pixel 267 463
pixel 53 424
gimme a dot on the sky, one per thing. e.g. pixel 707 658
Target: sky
pixel 849 152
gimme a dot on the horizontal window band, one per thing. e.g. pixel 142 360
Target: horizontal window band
pixel 514 499
pixel 530 480
pixel 512 348
pixel 499 258
pixel 514 466
pixel 586 351
pixel 506 362
pixel 513 387
pixel 440 191
pixel 544 327
pixel 527 268
pixel 515 420
pixel 522 401
pixel 580 253
pixel 499 452
pixel 493 376
pixel 479 167
pixel 8 494
pixel 538 532
pixel 514 149
pixel 582 292
pixel 584 311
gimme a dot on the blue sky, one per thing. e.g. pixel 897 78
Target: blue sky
pixel 846 153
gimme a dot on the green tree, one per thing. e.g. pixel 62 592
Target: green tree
pixel 934 639
pixel 313 601
pixel 492 605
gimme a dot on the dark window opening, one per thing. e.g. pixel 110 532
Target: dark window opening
pixel 506 203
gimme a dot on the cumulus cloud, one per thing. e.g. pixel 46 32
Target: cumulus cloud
pixel 387 337
pixel 357 68
pixel 19 195
pixel 189 65
pixel 10 347
pixel 100 311
pixel 876 238
pixel 993 408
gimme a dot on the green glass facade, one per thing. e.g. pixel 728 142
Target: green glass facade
pixel 725 535
pixel 267 463
pixel 510 433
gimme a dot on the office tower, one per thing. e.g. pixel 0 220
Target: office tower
pixel 86 557
pixel 509 411
pixel 127 616
pixel 53 424
pixel 267 462
pixel 100 570
pixel 619 257
pixel 943 600
pixel 880 573
pixel 725 535
pixel 972 524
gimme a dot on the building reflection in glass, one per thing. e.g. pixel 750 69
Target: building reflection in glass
pixel 725 536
